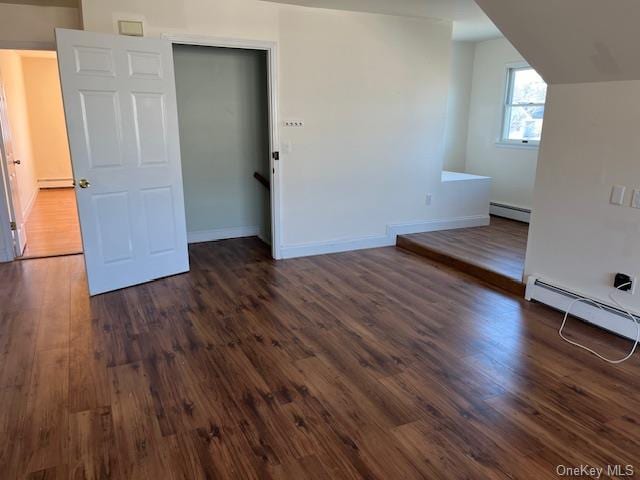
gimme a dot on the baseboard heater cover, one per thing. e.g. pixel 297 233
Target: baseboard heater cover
pixel 609 317
pixel 510 211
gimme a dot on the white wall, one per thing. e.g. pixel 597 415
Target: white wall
pixel 12 77
pixel 459 100
pixel 371 89
pixel 373 96
pixel 590 142
pixel 225 18
pixel 469 194
pixel 32 27
pixel 513 169
pixel 46 121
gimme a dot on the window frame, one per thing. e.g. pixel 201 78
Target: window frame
pixel 507 105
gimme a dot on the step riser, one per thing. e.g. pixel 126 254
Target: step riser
pixel 488 276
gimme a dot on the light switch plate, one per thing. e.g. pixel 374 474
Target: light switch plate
pixel 617 194
pixel 635 199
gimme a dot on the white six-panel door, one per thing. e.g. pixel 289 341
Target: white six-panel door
pixel 120 106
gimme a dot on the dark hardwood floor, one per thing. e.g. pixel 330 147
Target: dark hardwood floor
pixel 372 364
pixel 494 253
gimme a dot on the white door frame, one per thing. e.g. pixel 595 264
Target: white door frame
pixel 9 254
pixel 7 206
pixel 271 48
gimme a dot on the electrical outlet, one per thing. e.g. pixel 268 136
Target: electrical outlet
pixel 624 283
pixel 428 199
pixel 635 198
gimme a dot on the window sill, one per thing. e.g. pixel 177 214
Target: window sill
pixel 522 146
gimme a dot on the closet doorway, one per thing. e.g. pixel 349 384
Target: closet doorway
pixel 225 118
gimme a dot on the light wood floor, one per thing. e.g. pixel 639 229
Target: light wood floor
pixel 52 226
pixel 376 364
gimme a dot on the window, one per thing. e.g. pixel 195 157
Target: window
pixel 524 107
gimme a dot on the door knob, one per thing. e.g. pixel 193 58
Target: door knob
pixel 17 162
pixel 84 183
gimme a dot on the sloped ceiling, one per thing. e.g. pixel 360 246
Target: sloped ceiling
pixel 573 41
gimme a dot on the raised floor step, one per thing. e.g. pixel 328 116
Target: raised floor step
pixel 462 264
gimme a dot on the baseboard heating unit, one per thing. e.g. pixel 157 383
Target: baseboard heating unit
pixel 608 317
pixel 510 211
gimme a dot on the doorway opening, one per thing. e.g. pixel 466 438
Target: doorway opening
pixel 36 162
pixel 223 115
pixel 123 125
pixel 228 117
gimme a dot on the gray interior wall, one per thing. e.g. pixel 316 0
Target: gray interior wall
pixel 224 136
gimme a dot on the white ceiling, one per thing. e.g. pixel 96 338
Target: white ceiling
pixel 469 22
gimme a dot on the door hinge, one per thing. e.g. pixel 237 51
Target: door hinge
pixel 276 155
pixel 13 226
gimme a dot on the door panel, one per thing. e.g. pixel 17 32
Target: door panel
pixel 120 106
pixel 145 65
pixel 151 134
pixel 115 235
pixel 94 61
pixel 101 118
pixel 159 221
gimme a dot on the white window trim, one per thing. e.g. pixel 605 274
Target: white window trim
pixel 518 144
pixel 503 141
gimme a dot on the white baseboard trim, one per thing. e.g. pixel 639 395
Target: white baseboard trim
pixel 436 225
pixel 377 241
pixel 609 317
pixel 510 211
pixel 26 211
pixel 335 246
pixel 55 182
pixel 222 234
